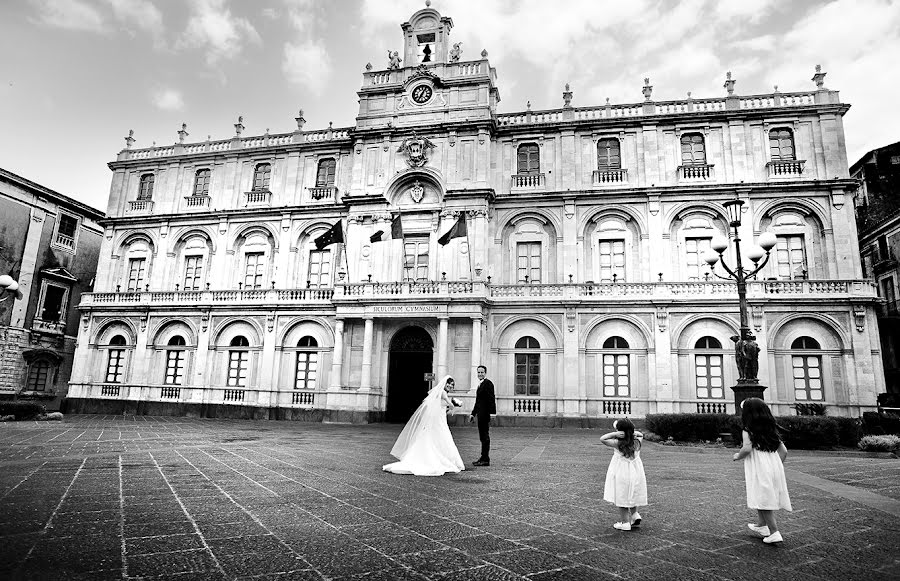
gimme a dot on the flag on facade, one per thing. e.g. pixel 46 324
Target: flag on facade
pixel 396 231
pixel 457 231
pixel 334 235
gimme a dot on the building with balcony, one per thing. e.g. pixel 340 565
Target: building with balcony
pixel 877 204
pixel 49 244
pixel 574 273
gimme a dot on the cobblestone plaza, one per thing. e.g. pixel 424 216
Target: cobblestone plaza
pixel 112 497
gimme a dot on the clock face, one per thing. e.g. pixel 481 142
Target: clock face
pixel 421 94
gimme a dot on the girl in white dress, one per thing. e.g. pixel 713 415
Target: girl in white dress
pixel 425 447
pixel 763 453
pixel 626 484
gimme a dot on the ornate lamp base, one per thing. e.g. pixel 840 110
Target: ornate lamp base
pixel 746 388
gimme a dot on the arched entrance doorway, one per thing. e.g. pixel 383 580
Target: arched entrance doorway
pixel 409 361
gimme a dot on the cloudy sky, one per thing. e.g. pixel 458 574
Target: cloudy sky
pixel 78 74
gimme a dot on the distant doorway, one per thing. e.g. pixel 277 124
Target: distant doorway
pixel 409 360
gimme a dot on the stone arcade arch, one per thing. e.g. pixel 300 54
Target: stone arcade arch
pixel 410 358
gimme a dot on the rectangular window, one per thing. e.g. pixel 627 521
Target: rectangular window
pixel 528 374
pixel 781 144
pixel 694 250
pixel 608 155
pixel 612 260
pixel 136 272
pixel 693 150
pixel 807 377
pixel 174 367
pixel 616 373
pixel 528 159
pixel 261 177
pixel 325 174
pixel 790 256
pixel 201 183
pixel 415 258
pixel 254 269
pixel 193 272
pixel 307 368
pixel 115 366
pixel 67 227
pixel 319 275
pixel 38 376
pixel 54 300
pixel 528 262
pixel 238 364
pixel 709 376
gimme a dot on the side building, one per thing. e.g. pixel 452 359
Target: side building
pixel 878 218
pixel 573 265
pixel 49 245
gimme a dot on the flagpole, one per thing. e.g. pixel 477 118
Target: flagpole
pixel 344 250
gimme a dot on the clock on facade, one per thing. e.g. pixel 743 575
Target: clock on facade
pixel 421 94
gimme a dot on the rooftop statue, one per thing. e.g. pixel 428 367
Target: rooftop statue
pixel 393 60
pixel 455 52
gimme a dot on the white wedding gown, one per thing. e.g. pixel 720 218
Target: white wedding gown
pixel 425 447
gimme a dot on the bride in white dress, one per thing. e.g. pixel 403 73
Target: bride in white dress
pixel 425 447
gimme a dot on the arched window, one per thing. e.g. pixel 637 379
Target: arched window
pixel 201 182
pixel 608 155
pixel 307 363
pixel 175 356
pixel 616 368
pixel 807 369
pixel 145 192
pixel 528 367
pixel 238 362
pixel 781 145
pixel 325 173
pixel 528 159
pixel 115 362
pixel 39 375
pixel 693 149
pixel 261 176
pixel 708 369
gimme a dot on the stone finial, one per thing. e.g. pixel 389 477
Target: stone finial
pixel 528 105
pixel 648 89
pixel 729 83
pixel 689 95
pixel 182 133
pixel 129 141
pixel 819 78
pixel 300 120
pixel 239 126
pixel 368 66
pixel 427 3
pixel 567 97
pixel 776 89
pixel 484 53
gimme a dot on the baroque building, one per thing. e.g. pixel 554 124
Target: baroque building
pixel 49 244
pixel 878 219
pixel 561 248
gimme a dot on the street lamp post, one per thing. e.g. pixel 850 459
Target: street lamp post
pixel 746 351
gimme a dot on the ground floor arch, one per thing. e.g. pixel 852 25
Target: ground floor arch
pixel 409 359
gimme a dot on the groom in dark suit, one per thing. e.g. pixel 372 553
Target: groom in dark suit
pixel 485 405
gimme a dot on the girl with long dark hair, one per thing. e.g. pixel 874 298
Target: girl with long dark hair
pixel 763 454
pixel 626 483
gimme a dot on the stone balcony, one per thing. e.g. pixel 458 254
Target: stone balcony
pixel 700 172
pixel 527 181
pixel 323 193
pixel 788 168
pixel 626 292
pixel 48 327
pixel 196 203
pixel 139 208
pixel 610 177
pixel 257 199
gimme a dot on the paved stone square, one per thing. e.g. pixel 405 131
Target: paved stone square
pixel 175 498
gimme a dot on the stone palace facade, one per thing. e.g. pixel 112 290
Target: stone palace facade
pixel 575 273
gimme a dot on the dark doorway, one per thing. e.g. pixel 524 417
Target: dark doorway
pixel 409 361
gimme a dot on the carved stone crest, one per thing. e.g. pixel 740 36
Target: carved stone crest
pixel 416 148
pixel 417 192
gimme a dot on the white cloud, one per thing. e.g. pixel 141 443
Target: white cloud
pixel 141 14
pixel 305 59
pixel 70 15
pixel 213 28
pixel 168 100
